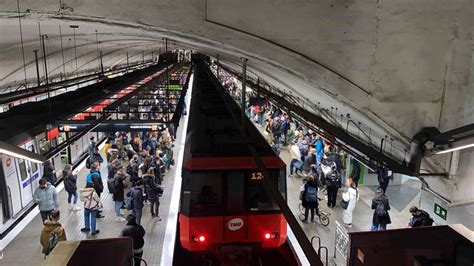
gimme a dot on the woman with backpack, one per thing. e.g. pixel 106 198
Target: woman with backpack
pixel 351 196
pixel 70 186
pixel 310 198
pixel 153 192
pixel 381 206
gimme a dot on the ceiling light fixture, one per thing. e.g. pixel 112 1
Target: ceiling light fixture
pixel 18 152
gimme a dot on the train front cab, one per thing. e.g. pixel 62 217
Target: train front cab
pixel 220 207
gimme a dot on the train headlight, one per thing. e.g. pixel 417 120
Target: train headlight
pixel 199 238
pixel 268 236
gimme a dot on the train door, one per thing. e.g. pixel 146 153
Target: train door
pixel 34 169
pixel 13 184
pixel 29 174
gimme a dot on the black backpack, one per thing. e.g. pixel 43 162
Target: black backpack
pixel 334 180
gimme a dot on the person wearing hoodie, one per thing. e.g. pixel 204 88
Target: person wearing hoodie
pixel 92 206
pixel 135 231
pixel 49 227
pixel 46 197
pixel 70 187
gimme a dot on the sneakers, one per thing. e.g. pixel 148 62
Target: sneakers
pixel 120 219
pixel 96 232
pixel 100 216
pixel 304 221
pixel 71 206
pixel 76 208
pixel 158 218
pixel 290 176
pixel 85 229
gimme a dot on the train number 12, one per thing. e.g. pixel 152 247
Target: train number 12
pixel 257 176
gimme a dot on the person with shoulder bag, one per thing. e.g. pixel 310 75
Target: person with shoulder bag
pixel 351 196
pixel 70 186
pixel 92 205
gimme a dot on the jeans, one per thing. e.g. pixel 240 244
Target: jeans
pixel 297 164
pixel 306 210
pixel 318 159
pixel 332 195
pixel 45 215
pixel 118 204
pixel 90 217
pixel 378 227
pixel 70 195
pixel 276 138
pixel 138 215
pixel 154 207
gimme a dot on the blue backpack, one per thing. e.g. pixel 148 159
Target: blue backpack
pixel 311 194
pixel 89 177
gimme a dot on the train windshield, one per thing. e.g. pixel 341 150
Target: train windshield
pixel 230 192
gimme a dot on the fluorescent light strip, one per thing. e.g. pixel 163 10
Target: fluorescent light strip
pixel 456 148
pixel 17 155
pixel 167 253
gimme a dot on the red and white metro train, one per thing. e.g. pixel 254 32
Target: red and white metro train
pixel 223 198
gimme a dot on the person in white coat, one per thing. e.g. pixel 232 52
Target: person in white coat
pixel 352 196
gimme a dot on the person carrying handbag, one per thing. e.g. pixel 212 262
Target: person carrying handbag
pixel 92 205
pixel 351 196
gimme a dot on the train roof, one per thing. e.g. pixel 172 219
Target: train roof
pixel 30 119
pixel 212 131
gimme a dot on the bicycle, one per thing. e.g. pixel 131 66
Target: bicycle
pixel 323 216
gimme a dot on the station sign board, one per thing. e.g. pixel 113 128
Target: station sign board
pixel 109 127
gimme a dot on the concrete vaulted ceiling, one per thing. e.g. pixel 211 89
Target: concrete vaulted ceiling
pixel 395 66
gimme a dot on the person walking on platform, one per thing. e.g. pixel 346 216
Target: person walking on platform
pixel 383 178
pixel 135 231
pixel 310 198
pixel 91 146
pixel 381 206
pixel 96 157
pixel 419 218
pixel 137 199
pixel 333 183
pixel 46 197
pixel 296 163
pixel 52 233
pixel 154 192
pixel 70 186
pixel 118 194
pixel 352 196
pixel 92 205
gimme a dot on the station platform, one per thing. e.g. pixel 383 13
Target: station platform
pixel 25 249
pixel 401 197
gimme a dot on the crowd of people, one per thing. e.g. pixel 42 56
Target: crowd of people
pixel 317 160
pixel 136 167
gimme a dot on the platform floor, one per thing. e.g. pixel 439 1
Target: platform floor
pixel 25 249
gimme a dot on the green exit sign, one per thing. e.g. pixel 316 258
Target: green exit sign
pixel 440 211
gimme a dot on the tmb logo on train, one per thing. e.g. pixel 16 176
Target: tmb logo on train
pixel 8 162
pixel 235 224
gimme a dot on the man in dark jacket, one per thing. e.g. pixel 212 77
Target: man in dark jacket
pixel 381 206
pixel 49 173
pixel 119 194
pixel 333 183
pixel 96 157
pixel 419 218
pixel 136 194
pixel 135 231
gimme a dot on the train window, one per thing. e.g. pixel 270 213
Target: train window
pixel 258 197
pixel 206 193
pixel 34 166
pixel 44 146
pixel 23 174
pixel 235 192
